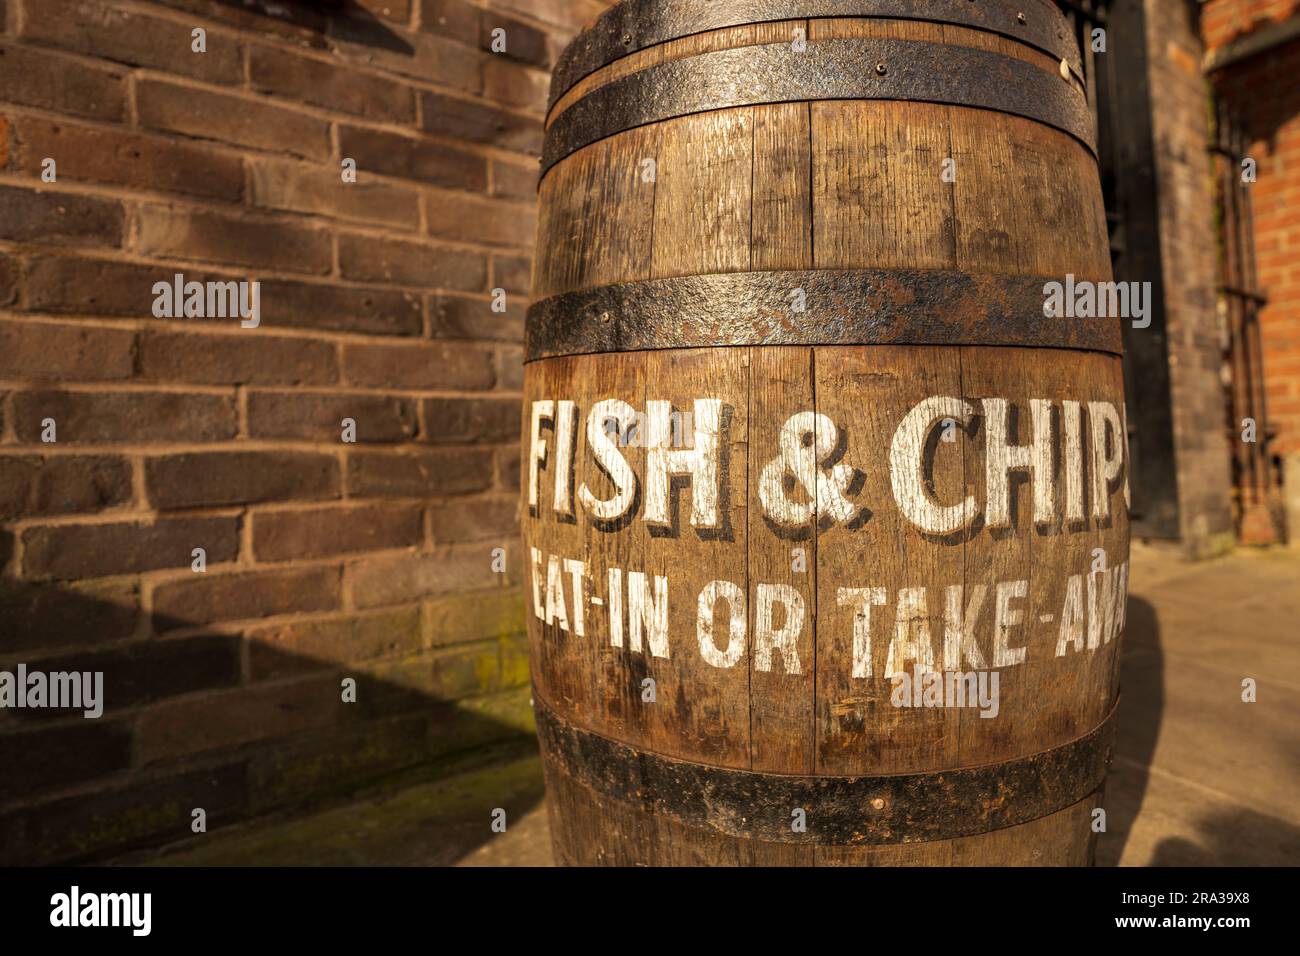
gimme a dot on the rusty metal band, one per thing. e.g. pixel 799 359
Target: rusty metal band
pixel 840 307
pixel 897 808
pixel 637 24
pixel 841 69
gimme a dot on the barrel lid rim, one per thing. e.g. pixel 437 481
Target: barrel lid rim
pixel 722 79
pixel 612 35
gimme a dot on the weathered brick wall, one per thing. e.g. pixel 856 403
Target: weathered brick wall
pixel 1226 21
pixel 1262 92
pixel 1185 185
pixel 325 559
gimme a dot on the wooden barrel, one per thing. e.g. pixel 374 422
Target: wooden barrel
pixel 824 457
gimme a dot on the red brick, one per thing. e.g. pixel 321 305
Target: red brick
pixel 296 648
pixel 478 519
pixel 375 582
pixel 316 532
pixel 48 616
pixel 125 416
pixel 514 180
pixel 523 42
pixel 514 84
pixel 413 683
pixel 90 28
pixel 208 598
pixel 149 809
pixel 10 279
pixel 398 11
pixel 508 468
pixel 454 19
pixel 478 219
pixel 331 87
pixel 455 420
pixel 244 121
pixel 334 759
pixel 339 309
pixel 44 351
pixel 510 369
pixel 476 615
pixel 368 259
pixel 265 18
pixel 195 234
pixel 418 474
pixel 238 716
pixel 240 358
pixel 33 485
pixel 459 317
pixel 477 122
pixel 425 58
pixel 413 157
pixel 406 687
pixel 38 215
pixel 143 671
pixel 418 365
pixel 70 284
pixel 127 159
pixel 124 547
pixel 512 273
pixel 43 758
pixel 310 189
pixel 315 416
pixel 211 479
pixel 59 83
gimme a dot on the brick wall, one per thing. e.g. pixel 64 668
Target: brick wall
pixel 1185 187
pixel 324 559
pixel 1227 21
pixel 1262 92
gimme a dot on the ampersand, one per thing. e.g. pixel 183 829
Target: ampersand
pixel 807 441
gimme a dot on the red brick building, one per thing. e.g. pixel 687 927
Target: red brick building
pixel 1252 56
pixel 1188 96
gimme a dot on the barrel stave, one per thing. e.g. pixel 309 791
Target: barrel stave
pixel 778 183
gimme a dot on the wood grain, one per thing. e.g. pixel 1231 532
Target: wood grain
pixel 730 196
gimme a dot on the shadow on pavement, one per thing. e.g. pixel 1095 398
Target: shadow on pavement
pixel 1142 704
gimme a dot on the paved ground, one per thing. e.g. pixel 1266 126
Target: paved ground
pixel 1200 777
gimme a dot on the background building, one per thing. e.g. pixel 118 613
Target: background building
pixel 1185 94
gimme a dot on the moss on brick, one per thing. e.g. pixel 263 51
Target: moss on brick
pixel 514 661
pixel 481 721
pixel 430 824
pixel 470 617
pixel 332 765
